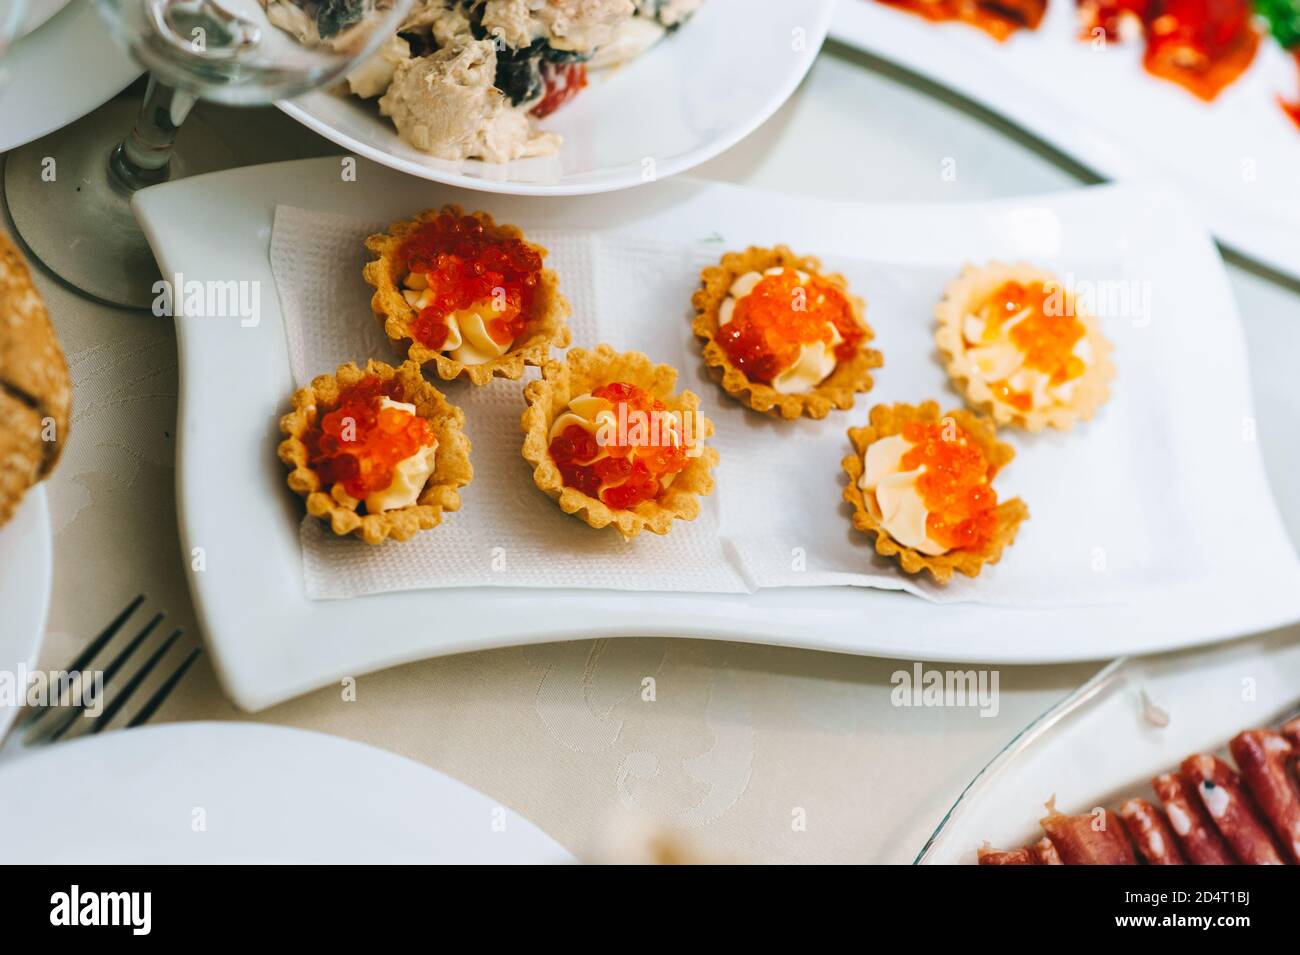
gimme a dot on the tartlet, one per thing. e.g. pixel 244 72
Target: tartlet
pixel 626 380
pixel 796 381
pixel 1064 375
pixel 304 452
pixel 990 529
pixel 475 283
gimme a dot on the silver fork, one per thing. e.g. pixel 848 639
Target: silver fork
pixel 62 711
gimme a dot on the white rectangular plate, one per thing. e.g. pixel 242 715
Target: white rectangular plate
pixel 1235 158
pixel 1098 748
pixel 269 642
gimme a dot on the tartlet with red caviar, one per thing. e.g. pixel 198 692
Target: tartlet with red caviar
pixel 921 484
pixel 1018 345
pixel 611 442
pixel 782 337
pixel 466 295
pixel 377 453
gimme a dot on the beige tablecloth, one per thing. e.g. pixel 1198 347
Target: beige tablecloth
pixel 754 753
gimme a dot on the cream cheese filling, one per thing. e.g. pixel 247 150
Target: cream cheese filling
pixel 816 359
pixel 996 358
pixel 898 500
pixel 468 341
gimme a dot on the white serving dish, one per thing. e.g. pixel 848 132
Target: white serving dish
pixel 60 73
pixel 1098 746
pixel 1235 159
pixel 694 95
pixel 26 576
pixel 269 642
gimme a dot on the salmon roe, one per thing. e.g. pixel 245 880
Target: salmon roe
pixel 1046 336
pixel 360 443
pixel 959 499
pixel 465 266
pixel 782 314
pixel 630 471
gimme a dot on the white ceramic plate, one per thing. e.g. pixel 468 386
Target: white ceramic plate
pixel 239 793
pixel 689 98
pixel 1236 159
pixel 1098 748
pixel 269 642
pixel 38 12
pixel 26 572
pixel 60 73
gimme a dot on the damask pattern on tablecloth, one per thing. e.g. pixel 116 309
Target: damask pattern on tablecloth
pixel 123 411
pixel 601 695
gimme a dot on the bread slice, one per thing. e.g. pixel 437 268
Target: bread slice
pixel 35 388
pixel 22 452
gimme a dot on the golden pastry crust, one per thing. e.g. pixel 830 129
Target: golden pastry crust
pixel 35 387
pixel 22 452
pixel 578 373
pixel 889 420
pixel 441 493
pixel 965 293
pixel 839 387
pixel 546 324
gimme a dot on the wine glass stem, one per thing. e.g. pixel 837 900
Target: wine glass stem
pixel 142 158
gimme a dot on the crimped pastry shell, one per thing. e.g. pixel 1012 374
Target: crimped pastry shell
pixel 839 387
pixel 579 372
pixel 970 288
pixel 546 325
pixel 889 420
pixel 452 469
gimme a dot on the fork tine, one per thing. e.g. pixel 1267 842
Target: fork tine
pixel 155 701
pixel 97 644
pixel 116 663
pixel 113 666
pixel 133 684
pixel 88 654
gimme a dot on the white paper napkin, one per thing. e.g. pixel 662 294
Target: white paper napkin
pixel 1108 511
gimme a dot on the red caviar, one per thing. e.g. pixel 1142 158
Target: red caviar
pixel 360 443
pixel 779 316
pixel 955 486
pixel 1046 336
pixel 465 266
pixel 623 471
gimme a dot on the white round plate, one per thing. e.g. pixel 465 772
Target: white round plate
pixel 695 94
pixel 38 12
pixel 25 575
pixel 60 73
pixel 244 793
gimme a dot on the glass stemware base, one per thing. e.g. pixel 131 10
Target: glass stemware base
pixel 75 217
